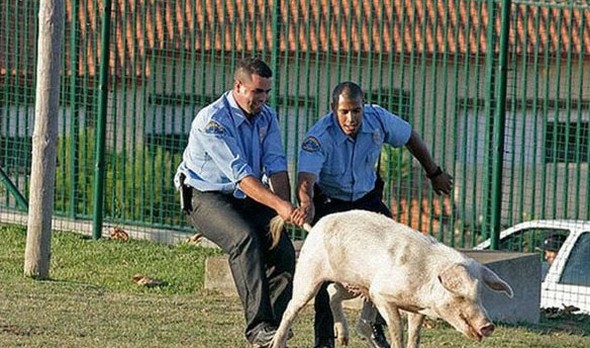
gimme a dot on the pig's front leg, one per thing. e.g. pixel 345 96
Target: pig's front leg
pixel 391 314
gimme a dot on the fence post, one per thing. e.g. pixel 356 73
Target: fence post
pixel 490 78
pixel 99 169
pixel 499 124
pixel 74 124
pixel 274 54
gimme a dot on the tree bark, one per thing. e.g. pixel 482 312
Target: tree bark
pixel 38 247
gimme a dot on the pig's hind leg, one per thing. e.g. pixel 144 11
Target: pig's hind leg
pixel 415 322
pixel 338 293
pixel 306 284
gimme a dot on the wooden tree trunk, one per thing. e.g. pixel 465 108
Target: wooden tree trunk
pixel 38 247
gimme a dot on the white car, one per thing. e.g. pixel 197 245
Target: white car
pixel 567 279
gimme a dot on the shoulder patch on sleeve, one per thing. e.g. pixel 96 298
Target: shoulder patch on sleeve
pixel 310 144
pixel 214 127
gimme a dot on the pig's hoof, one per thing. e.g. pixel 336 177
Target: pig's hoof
pixel 341 331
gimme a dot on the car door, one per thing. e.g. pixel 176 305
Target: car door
pixel 568 280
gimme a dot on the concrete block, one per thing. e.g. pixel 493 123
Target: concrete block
pixel 218 278
pixel 521 270
pixel 218 275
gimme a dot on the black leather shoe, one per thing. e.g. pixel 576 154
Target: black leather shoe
pixel 372 334
pixel 263 337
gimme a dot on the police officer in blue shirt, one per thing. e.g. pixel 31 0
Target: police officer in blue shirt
pixel 337 173
pixel 234 150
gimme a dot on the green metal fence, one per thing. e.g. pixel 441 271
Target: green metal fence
pixel 498 89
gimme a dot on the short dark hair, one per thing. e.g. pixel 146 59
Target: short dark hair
pixel 348 89
pixel 554 242
pixel 249 66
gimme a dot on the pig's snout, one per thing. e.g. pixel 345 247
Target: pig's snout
pixel 487 330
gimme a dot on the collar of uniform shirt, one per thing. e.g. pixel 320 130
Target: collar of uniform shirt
pixel 236 111
pixel 339 134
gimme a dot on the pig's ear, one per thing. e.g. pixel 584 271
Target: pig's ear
pixel 494 282
pixel 454 278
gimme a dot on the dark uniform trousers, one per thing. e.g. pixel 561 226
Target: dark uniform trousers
pixel 324 205
pixel 263 277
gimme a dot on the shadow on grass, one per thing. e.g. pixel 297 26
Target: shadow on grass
pixel 551 321
pixel 554 320
pixel 73 285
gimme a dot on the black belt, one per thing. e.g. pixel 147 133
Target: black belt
pixel 375 194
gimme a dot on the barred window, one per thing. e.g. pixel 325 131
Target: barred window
pixel 566 142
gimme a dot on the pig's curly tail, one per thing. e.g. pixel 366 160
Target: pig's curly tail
pixel 276 227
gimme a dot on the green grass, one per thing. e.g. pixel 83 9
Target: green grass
pixel 91 301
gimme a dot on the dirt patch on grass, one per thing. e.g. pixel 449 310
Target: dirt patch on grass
pixel 20 331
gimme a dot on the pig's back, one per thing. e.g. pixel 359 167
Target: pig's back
pixel 381 242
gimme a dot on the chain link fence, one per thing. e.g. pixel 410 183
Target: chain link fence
pixel 503 102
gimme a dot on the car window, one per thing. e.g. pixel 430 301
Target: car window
pixel 529 240
pixel 577 266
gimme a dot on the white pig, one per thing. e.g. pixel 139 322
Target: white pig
pixel 399 268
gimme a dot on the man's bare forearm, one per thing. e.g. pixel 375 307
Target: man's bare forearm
pixel 254 189
pixel 280 185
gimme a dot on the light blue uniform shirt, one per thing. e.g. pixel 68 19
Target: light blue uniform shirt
pixel 345 167
pixel 224 147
